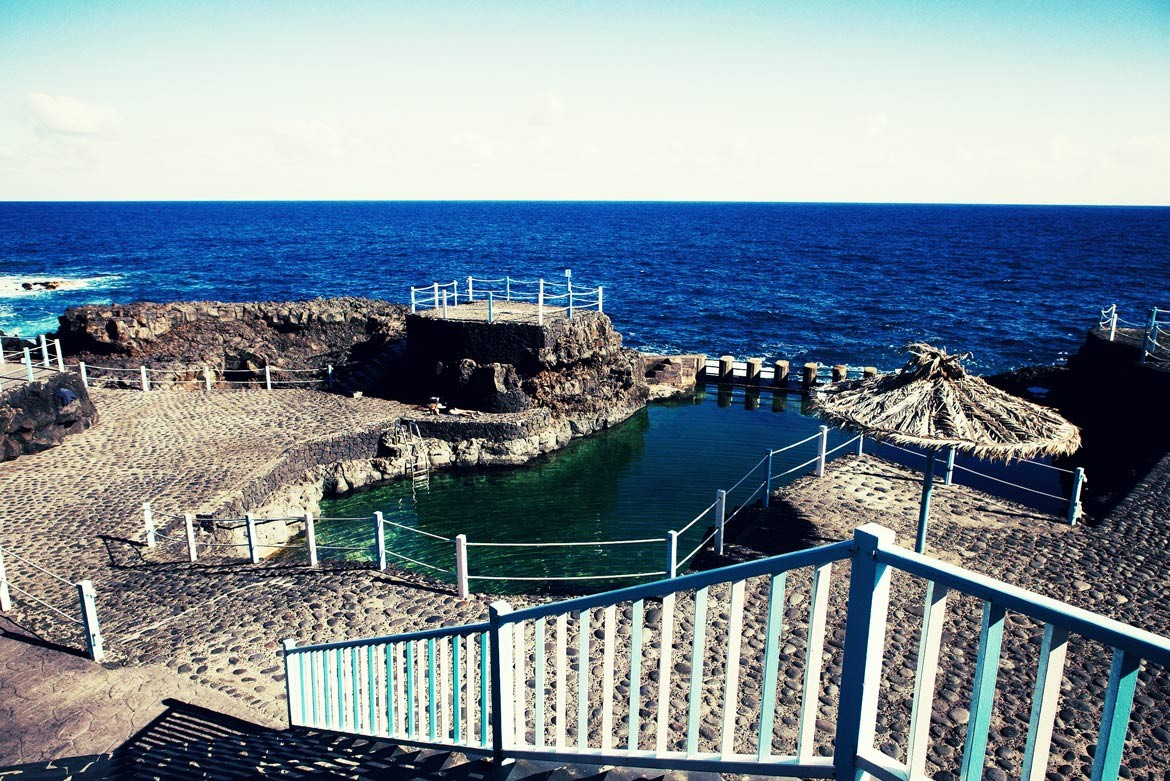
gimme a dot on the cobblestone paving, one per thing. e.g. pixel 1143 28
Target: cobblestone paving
pixel 217 625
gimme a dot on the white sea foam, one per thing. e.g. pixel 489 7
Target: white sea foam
pixel 12 286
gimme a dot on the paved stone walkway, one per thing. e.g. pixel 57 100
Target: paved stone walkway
pixel 212 630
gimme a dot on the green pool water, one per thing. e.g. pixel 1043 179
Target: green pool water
pixel 654 473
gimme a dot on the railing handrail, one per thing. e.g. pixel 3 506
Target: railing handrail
pixel 1084 622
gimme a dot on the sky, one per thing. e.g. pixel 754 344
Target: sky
pixel 854 101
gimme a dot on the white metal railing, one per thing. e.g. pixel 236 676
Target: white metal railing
pixel 1155 336
pixel 550 297
pixel 452 556
pixel 148 377
pixel 20 363
pixel 1072 502
pixel 700 697
pixel 86 605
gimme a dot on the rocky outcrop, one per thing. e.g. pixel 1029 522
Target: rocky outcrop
pixel 236 341
pixel 577 368
pixel 36 416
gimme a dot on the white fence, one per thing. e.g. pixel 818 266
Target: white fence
pixel 20 363
pixel 33 579
pixel 550 297
pixel 466 562
pixel 148 378
pixel 1155 338
pixel 729 671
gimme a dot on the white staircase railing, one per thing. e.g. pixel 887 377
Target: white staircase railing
pixel 730 671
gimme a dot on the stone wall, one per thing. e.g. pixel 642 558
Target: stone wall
pixel 231 337
pixel 36 416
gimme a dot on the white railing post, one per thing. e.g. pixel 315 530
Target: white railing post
pixel 45 350
pixel 192 550
pixel 500 642
pixel 1074 499
pixel 671 553
pixel 444 304
pixel 60 358
pixel 379 542
pixel 84 374
pixel 435 292
pixel 600 299
pixel 455 292
pixel 720 519
pixel 461 587
pixel 861 663
pixel 539 302
pixel 5 596
pixel 768 483
pixel 206 379
pixel 569 288
pixel 508 289
pixel 89 619
pixel 329 376
pixel 148 522
pixel 267 379
pixel 413 302
pixel 1113 324
pixel 491 301
pixel 1151 334
pixel 860 444
pixel 822 449
pixel 311 539
pixel 145 379
pixel 470 292
pixel 948 476
pixel 253 550
pixel 28 364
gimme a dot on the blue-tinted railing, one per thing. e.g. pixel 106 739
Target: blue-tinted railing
pixel 510 687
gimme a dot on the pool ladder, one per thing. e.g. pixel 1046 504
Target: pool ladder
pixel 418 465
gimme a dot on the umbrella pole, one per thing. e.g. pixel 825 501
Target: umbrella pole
pixel 924 507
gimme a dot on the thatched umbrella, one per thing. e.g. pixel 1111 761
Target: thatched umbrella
pixel 934 404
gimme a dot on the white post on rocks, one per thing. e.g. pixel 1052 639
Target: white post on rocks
pixel 267 378
pixel 253 549
pixel 1113 324
pixel 491 302
pixel 860 444
pixel 822 449
pixel 671 553
pixel 84 373
pixel 148 521
pixel 5 597
pixel 60 358
pixel 206 379
pixel 379 542
pixel 89 618
pixel 435 292
pixel 192 551
pixel 311 539
pixel 461 566
pixel 720 519
pixel 28 364
pixel 768 484
pixel 44 352
pixel 600 298
pixel 540 302
pixel 413 302
pixel 145 379
pixel 1074 499
pixel 470 291
pixel 569 290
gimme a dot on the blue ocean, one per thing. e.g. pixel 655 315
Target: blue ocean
pixel 835 283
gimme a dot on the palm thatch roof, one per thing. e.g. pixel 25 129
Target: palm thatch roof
pixel 933 403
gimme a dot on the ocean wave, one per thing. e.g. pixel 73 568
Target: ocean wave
pixel 13 286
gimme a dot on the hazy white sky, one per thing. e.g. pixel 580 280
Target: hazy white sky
pixel 997 102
